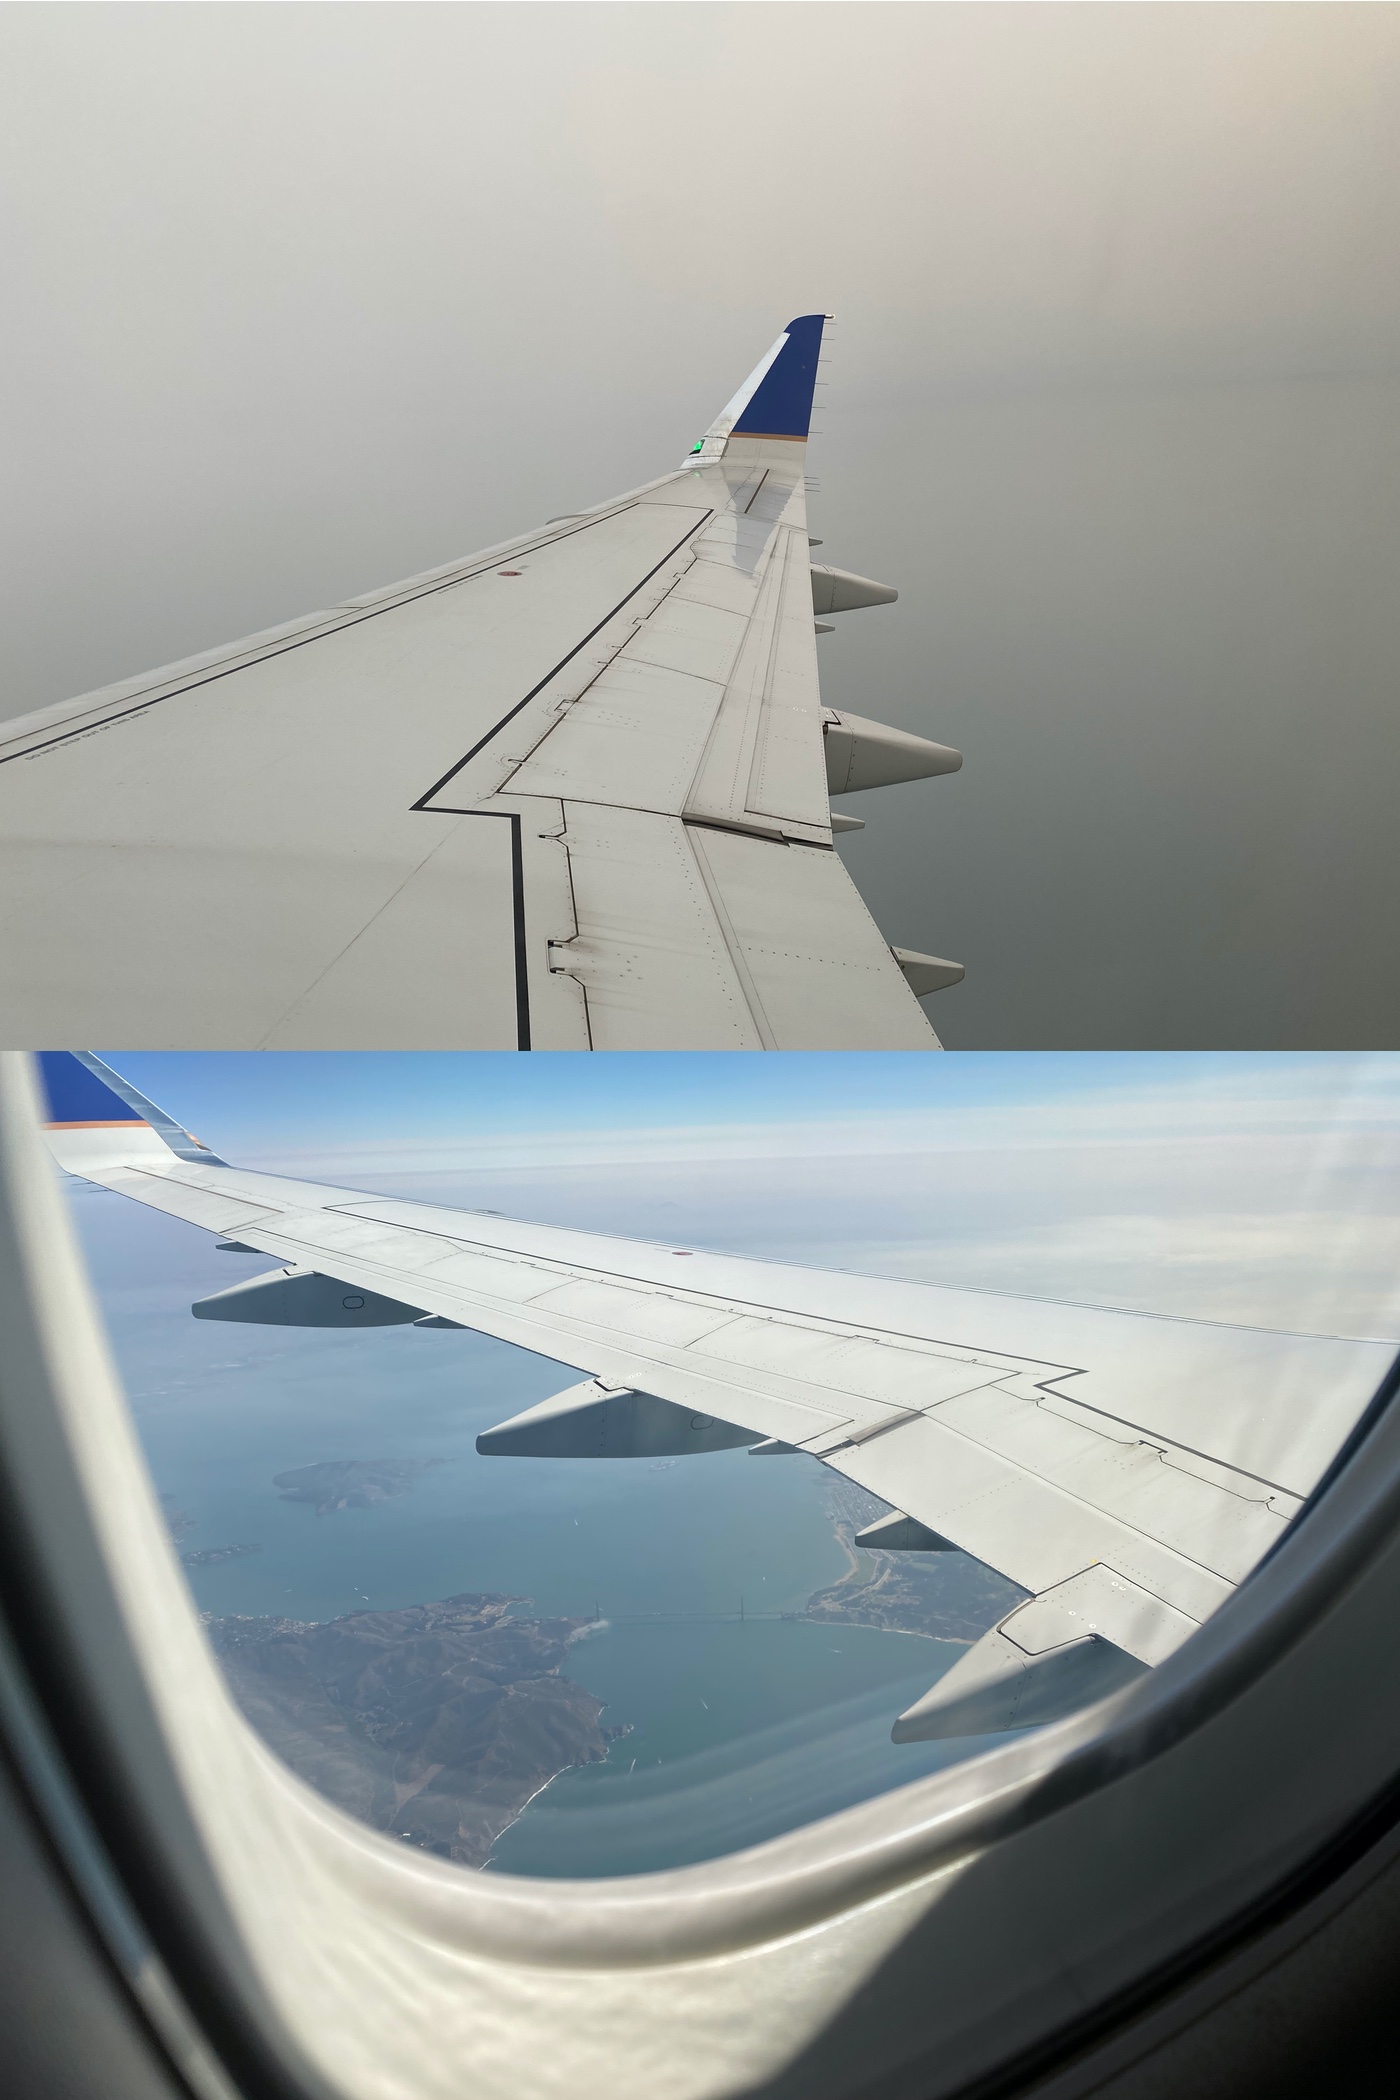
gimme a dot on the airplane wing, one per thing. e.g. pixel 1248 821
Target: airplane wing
pixel 1126 1470
pixel 571 793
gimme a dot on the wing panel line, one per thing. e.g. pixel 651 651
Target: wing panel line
pixel 754 497
pixel 422 803
pixel 517 898
pixel 1159 1436
pixel 120 714
pixel 738 960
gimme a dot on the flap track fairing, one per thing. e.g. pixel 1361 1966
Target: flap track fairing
pixel 302 1298
pixel 897 1533
pixel 998 1686
pixel 927 973
pixel 864 754
pixel 597 1421
pixel 836 590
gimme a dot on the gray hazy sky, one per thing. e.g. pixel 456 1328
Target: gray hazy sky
pixel 303 298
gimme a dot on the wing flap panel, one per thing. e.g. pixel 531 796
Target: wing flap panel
pixel 1099 1601
pixel 197 1206
pixel 488 1277
pixel 1034 1531
pixel 765 757
pixel 1223 1528
pixel 847 1364
pixel 649 952
pixel 713 582
pixel 646 1318
pixel 821 975
pixel 632 741
pixel 686 634
pixel 737 542
pixel 787 778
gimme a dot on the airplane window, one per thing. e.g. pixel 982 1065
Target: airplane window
pixel 540 1664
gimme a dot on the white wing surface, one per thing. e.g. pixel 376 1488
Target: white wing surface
pixel 570 793
pixel 1126 1470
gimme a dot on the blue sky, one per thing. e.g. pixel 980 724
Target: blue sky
pixel 310 1102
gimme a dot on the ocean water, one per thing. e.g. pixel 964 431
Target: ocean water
pixel 739 1727
pixel 742 1731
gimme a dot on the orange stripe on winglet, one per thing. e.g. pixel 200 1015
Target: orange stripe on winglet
pixel 123 1123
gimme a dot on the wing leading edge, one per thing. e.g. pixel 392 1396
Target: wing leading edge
pixel 1127 1471
pixel 573 792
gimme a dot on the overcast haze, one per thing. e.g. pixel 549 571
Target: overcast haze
pixel 301 299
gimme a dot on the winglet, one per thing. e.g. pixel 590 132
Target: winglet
pixel 775 401
pixel 95 1118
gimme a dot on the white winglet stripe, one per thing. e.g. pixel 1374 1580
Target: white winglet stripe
pixel 729 415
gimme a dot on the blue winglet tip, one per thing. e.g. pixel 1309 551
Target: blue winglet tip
pixel 781 404
pixel 75 1095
